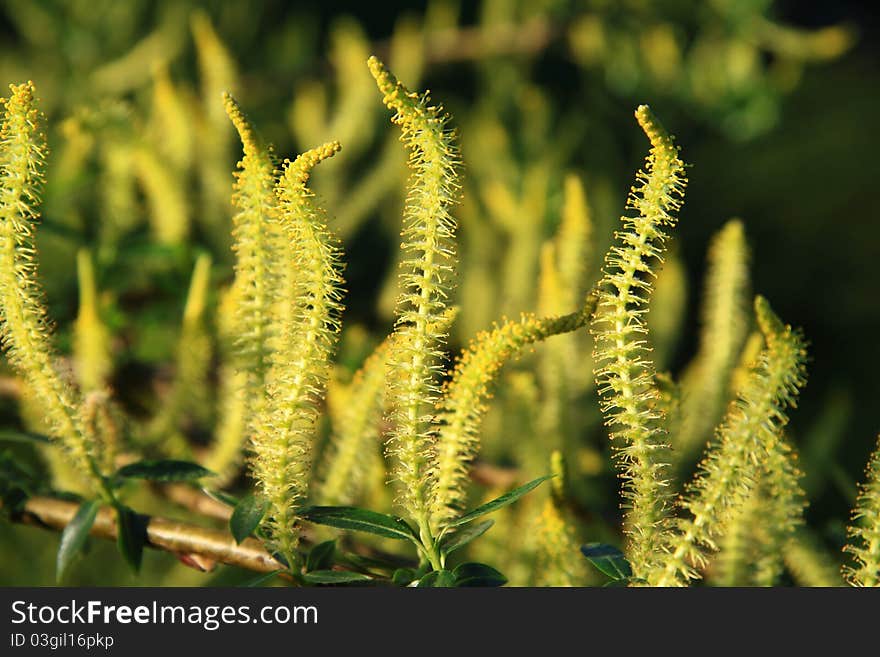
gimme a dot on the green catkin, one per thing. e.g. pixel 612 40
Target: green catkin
pixel 736 553
pixel 748 435
pixel 92 355
pixel 283 430
pixel 749 355
pixel 24 328
pixel 864 531
pixel 755 537
pixel 427 277
pixel 809 563
pixel 624 375
pixel 461 410
pixel 355 436
pixel 724 325
pixel 255 243
pixel 103 421
pixel 782 503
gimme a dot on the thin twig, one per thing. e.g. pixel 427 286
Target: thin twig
pixel 179 538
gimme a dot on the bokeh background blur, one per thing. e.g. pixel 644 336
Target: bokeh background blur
pixel 774 105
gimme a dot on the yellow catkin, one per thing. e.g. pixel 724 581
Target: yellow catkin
pixel 213 137
pixel 166 197
pixel 427 274
pixel 255 243
pixel 724 326
pixel 624 374
pixel 311 283
pixel 668 305
pixel 748 435
pixel 24 327
pixel 355 435
pixel 809 562
pixel 864 531
pixel 171 125
pixel 92 353
pixel 556 539
pixel 464 403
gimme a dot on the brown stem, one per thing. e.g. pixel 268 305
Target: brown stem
pixel 179 538
pixel 195 500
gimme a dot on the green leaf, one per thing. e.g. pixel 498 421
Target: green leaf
pixel 17 483
pixel 335 577
pixel 404 576
pixel 608 560
pixel 246 516
pixel 132 535
pixel 260 579
pixel 321 556
pixel 165 470
pixel 222 497
pixel 437 579
pixel 478 574
pixel 349 517
pixel 464 536
pixel 499 502
pixel 24 437
pixel 74 536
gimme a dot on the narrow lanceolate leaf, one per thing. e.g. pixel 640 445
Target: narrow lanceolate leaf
pixel 864 532
pixel 24 437
pixel 335 577
pixel 498 502
pixel 464 404
pixel 362 520
pixel 309 298
pixel 131 537
pixel 24 326
pixel 427 274
pixel 749 434
pixel 74 536
pixel 246 517
pixel 624 372
pixel 166 470
pixel 463 537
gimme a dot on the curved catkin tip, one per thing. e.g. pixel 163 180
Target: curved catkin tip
pixel 384 79
pixel 298 171
pixel 768 321
pixel 246 131
pixel 658 135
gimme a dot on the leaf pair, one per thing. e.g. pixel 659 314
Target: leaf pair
pixel 131 527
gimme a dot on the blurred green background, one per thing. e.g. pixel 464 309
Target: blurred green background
pixel 772 103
